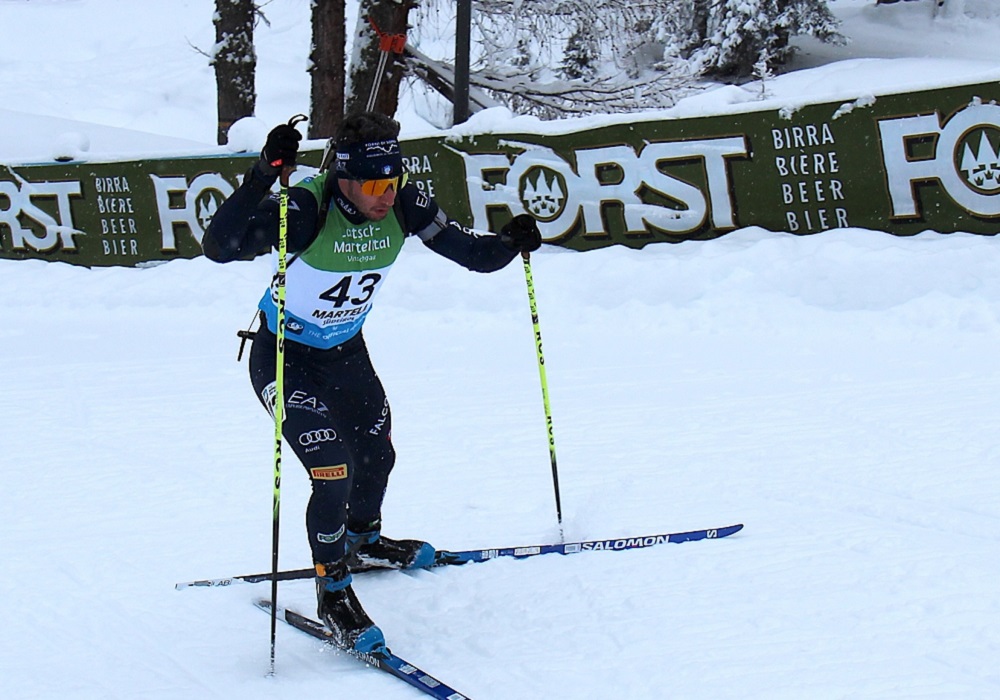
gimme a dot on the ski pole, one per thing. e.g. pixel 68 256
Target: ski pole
pixel 279 382
pixel 533 305
pixel 387 43
pixel 279 399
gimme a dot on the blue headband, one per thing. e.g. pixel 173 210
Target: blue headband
pixel 370 160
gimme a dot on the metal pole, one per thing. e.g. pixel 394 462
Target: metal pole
pixel 383 58
pixel 463 30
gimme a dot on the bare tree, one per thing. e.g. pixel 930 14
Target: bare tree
pixel 326 67
pixel 235 62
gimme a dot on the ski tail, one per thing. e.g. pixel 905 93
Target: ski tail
pixel 290 575
pixel 388 662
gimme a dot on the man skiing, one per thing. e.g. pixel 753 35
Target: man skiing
pixel 345 228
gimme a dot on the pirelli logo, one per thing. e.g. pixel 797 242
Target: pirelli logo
pixel 329 473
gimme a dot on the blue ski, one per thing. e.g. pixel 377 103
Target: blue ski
pixel 447 558
pixel 617 545
pixel 388 662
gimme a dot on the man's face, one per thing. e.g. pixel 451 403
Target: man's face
pixel 373 207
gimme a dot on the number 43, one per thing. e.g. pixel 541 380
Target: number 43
pixel 341 293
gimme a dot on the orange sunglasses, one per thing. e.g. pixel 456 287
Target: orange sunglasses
pixel 376 188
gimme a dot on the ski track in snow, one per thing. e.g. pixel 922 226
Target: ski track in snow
pixel 835 393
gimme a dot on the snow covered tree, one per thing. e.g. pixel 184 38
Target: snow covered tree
pixel 581 55
pixel 738 32
pixel 559 57
pixel 556 57
pixel 235 62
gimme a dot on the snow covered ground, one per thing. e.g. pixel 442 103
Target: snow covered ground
pixel 835 393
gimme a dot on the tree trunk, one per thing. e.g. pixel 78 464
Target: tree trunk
pixel 327 68
pixel 699 23
pixel 391 16
pixel 235 63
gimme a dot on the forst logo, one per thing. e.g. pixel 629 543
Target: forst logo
pixel 570 194
pixel 183 205
pixel 207 204
pixel 977 157
pixel 963 159
pixel 543 193
pixel 40 215
pixel 32 227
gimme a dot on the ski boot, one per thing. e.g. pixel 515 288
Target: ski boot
pixel 370 550
pixel 340 610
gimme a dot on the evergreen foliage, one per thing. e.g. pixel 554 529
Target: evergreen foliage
pixel 738 32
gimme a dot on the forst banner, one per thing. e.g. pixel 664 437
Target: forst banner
pixel 902 163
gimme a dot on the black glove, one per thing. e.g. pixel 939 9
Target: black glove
pixel 280 150
pixel 521 234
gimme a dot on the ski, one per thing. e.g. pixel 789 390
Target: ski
pixel 388 662
pixel 617 545
pixel 448 558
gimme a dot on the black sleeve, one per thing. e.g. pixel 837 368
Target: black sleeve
pixel 246 224
pixel 479 252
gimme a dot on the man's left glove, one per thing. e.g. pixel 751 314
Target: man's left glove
pixel 521 234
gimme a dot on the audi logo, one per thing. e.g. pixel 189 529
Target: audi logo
pixel 316 436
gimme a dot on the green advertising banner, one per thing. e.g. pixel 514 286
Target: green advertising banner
pixel 902 163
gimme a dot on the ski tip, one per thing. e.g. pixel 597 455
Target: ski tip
pixel 725 531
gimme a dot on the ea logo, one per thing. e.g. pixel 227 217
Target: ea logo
pixel 314 437
pixel 977 157
pixel 543 193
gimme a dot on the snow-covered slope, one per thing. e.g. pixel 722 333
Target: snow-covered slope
pixel 836 393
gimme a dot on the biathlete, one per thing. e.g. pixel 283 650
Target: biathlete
pixel 345 228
